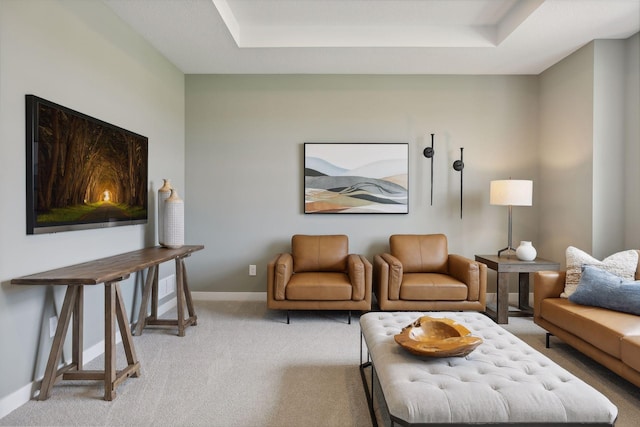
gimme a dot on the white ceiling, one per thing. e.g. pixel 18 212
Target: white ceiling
pixel 374 36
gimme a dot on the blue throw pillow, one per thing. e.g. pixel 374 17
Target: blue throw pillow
pixel 600 288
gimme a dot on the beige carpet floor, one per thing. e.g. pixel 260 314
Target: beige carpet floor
pixel 242 365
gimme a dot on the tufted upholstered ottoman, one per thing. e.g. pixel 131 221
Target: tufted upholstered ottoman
pixel 503 381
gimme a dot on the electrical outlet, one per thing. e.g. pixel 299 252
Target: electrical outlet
pixel 53 325
pixel 252 270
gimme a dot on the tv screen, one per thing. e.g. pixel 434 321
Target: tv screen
pixel 82 172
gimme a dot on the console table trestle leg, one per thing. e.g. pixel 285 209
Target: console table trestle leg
pixel 183 297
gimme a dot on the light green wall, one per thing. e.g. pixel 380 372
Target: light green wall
pixel 244 157
pixel 80 55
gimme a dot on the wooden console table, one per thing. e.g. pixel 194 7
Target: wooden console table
pixel 110 271
pixel 510 264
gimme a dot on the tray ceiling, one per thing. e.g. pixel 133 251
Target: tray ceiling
pixel 374 36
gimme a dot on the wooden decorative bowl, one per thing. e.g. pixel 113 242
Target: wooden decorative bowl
pixel 437 337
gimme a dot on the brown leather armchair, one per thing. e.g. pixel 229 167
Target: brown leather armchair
pixel 420 274
pixel 319 274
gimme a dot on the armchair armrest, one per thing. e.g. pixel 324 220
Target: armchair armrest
pixel 389 272
pixel 546 284
pixel 279 271
pixel 470 272
pixel 380 277
pixel 359 271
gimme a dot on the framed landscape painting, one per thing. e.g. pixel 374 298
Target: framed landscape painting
pixel 351 178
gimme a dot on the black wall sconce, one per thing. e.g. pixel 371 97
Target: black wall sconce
pixel 428 153
pixel 458 166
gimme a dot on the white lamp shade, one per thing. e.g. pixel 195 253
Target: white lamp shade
pixel 511 192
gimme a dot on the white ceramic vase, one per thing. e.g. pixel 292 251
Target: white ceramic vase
pixel 526 251
pixel 173 221
pixel 163 194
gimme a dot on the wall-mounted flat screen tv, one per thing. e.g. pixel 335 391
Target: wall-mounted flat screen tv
pixel 82 172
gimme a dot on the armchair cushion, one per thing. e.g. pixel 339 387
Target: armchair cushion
pixel 326 286
pixel 432 287
pixel 421 253
pixel 319 253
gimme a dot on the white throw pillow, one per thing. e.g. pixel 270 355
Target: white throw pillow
pixel 622 264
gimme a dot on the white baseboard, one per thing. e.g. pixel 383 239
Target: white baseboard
pixel 21 396
pixel 18 398
pixel 262 296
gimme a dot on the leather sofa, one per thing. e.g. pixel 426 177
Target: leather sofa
pixel 609 337
pixel 319 274
pixel 420 274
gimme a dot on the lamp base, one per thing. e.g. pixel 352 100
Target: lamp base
pixel 509 251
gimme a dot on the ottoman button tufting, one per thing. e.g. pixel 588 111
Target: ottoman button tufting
pixel 488 384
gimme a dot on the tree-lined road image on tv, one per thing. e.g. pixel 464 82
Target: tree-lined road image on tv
pixel 82 172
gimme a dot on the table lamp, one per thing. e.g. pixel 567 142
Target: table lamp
pixel 511 192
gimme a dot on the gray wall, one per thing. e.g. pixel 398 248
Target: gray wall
pixel 573 130
pixel 245 137
pixel 589 150
pixel 608 146
pixel 80 55
pixel 566 152
pixel 632 143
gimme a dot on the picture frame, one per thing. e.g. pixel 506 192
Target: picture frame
pixel 356 178
pixel 82 172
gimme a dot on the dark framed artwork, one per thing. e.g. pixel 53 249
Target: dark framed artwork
pixel 353 178
pixel 82 172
